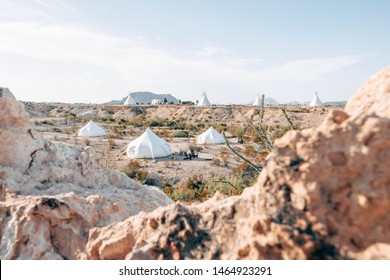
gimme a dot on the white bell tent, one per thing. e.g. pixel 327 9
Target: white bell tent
pixel 257 101
pixel 129 100
pixel 148 145
pixel 210 136
pixel 204 101
pixel 91 130
pixel 316 101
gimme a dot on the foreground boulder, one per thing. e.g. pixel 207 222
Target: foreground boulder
pixel 323 194
pixel 52 193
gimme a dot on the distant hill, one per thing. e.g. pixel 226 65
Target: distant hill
pixel 267 101
pixel 293 103
pixel 270 101
pixel 330 103
pixel 145 97
pixel 336 103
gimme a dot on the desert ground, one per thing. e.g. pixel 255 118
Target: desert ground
pixel 178 125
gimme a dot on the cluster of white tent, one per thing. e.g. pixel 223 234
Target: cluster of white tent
pixel 204 101
pixel 149 145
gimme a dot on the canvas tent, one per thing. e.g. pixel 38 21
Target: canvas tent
pixel 210 136
pixel 129 100
pixel 148 145
pixel 257 101
pixel 91 130
pixel 267 101
pixel 204 101
pixel 316 101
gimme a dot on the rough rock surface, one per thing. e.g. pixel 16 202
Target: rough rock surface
pixel 52 193
pixel 372 97
pixel 323 194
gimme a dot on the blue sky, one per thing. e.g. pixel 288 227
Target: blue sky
pixel 95 51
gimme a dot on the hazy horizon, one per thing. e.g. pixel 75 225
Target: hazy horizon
pixel 97 51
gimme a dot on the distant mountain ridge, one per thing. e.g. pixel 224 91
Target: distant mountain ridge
pixel 146 97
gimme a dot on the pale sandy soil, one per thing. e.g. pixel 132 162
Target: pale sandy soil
pixel 171 170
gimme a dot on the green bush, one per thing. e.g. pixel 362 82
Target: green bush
pixel 196 188
pixel 181 133
pixel 47 122
pixel 279 133
pixel 134 171
pixel 155 123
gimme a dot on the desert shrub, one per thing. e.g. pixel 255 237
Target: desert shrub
pixel 246 172
pixel 196 188
pixel 56 129
pixel 236 130
pixel 168 191
pixel 223 151
pixel 164 133
pixel 181 133
pixel 104 120
pixel 215 161
pixel 249 151
pixel 229 187
pixel 138 121
pixel 182 194
pixel 171 123
pixel 111 144
pixel 138 124
pixel 179 125
pixel 122 121
pixel 279 133
pixel 220 127
pixel 134 171
pixel 157 123
pixel 47 122
pixel 194 182
pixel 193 147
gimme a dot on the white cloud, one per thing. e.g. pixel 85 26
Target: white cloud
pixel 111 63
pixel 307 69
pixel 208 51
pixel 30 10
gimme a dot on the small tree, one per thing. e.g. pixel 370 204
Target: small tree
pixel 165 100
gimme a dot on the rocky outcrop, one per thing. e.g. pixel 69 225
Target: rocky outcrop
pixel 52 193
pixel 18 140
pixel 372 97
pixel 323 194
